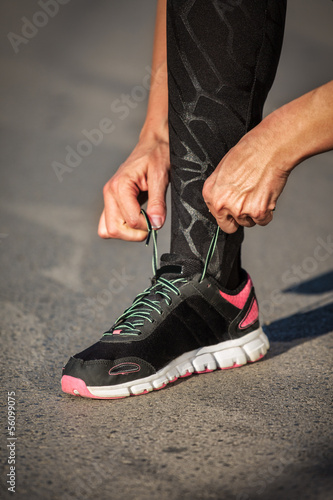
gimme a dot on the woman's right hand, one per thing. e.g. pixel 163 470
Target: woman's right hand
pixel 145 171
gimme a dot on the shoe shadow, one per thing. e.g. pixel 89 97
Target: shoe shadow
pixel 304 325
pixel 317 285
pixel 298 328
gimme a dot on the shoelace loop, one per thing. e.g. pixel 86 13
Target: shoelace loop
pixel 133 318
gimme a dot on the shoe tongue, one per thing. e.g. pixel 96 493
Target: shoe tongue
pixel 178 266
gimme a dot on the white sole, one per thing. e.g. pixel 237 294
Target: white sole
pixel 228 354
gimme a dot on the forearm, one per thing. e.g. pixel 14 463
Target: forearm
pixel 245 186
pixel 300 129
pixel 156 122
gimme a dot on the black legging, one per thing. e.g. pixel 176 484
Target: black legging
pixel 222 60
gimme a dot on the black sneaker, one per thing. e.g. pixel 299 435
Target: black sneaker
pixel 183 323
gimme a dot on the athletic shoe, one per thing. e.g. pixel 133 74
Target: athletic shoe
pixel 184 323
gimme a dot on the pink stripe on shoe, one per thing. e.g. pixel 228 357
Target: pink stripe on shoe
pixel 240 299
pixel 251 316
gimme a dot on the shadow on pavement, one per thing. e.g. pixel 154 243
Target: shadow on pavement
pixel 305 324
pixel 319 284
pixel 301 326
pixel 283 480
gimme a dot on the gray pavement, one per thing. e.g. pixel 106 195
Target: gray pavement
pixel 260 432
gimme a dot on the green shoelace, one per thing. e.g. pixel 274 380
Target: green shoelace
pixel 133 318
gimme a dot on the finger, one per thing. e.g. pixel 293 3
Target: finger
pixel 263 221
pixel 129 207
pixel 156 208
pixel 102 231
pixel 244 220
pixel 113 225
pixel 226 222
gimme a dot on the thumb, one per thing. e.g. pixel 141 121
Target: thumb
pixel 156 208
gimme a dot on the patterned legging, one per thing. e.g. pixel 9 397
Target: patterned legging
pixel 222 60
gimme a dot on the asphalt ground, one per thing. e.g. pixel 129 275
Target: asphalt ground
pixel 263 431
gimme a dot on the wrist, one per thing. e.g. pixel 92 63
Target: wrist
pixel 280 140
pixel 302 128
pixel 155 130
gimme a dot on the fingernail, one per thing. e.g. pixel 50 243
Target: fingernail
pixel 156 221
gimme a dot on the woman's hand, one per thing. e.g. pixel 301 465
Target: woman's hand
pixel 146 171
pixel 244 188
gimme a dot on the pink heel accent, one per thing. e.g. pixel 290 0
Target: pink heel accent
pixel 240 299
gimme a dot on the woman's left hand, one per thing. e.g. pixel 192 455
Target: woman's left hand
pixel 244 188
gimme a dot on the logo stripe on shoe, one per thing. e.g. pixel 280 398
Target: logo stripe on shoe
pixel 251 315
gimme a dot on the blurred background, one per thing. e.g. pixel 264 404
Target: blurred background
pixel 64 72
